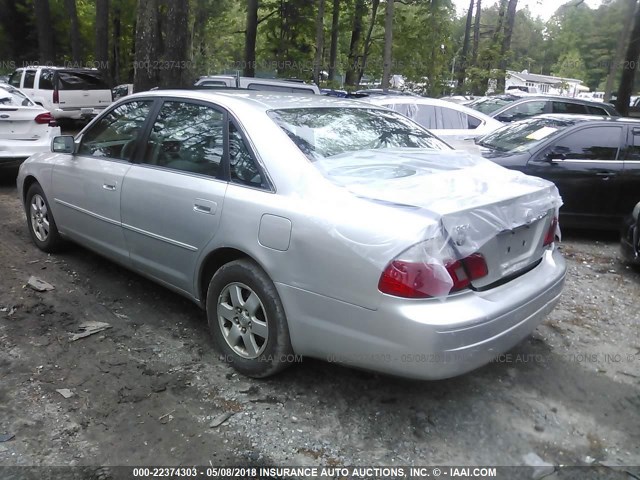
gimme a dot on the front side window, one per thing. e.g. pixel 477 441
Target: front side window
pixel 115 135
pixel 593 143
pixel 188 137
pixel 523 110
pixel 330 131
pixel 29 78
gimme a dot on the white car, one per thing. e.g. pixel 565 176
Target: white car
pixel 447 120
pixel 25 128
pixel 68 93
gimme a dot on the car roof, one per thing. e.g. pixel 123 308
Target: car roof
pixel 588 118
pixel 397 99
pixel 66 69
pixel 257 99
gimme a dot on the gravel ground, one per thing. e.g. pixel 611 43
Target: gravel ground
pixel 151 390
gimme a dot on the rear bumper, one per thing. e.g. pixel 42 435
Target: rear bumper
pixel 22 149
pixel 425 339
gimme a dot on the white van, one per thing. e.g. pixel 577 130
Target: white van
pixel 252 83
pixel 68 93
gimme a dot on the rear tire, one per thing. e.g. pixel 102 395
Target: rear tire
pixel 40 222
pixel 247 320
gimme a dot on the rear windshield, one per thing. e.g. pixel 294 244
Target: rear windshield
pixel 70 80
pixel 325 132
pixel 11 97
pixel 523 135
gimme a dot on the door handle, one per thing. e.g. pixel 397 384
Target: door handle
pixel 605 173
pixel 205 206
pixel 108 186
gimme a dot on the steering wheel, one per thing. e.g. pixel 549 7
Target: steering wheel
pixel 128 148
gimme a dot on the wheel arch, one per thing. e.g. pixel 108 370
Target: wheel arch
pixel 213 262
pixel 26 184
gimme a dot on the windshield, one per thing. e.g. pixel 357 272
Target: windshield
pixel 325 132
pixel 520 136
pixel 488 105
pixel 13 97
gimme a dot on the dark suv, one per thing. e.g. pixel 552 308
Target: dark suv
pixel 511 108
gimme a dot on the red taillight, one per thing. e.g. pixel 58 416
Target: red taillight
pixel 46 119
pixel 56 96
pixel 418 279
pixel 550 237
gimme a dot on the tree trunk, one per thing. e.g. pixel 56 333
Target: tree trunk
pixel 102 36
pixel 496 33
pixel 250 39
pixel 335 30
pixel 476 34
pixel 367 41
pixel 630 65
pixel 506 43
pixel 76 43
pixel 623 40
pixel 354 48
pixel 462 69
pixel 147 46
pixel 117 33
pixel 175 71
pixel 388 45
pixel 317 63
pixel 45 31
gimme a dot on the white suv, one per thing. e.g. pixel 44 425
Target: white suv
pixel 68 93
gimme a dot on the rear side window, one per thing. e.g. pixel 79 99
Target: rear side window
pixel 29 78
pixel 46 80
pixel 433 117
pixel 567 107
pixel 15 78
pixel 187 137
pixel 71 80
pixel 242 166
pixel 633 150
pixel 473 122
pixel 597 111
pixel 593 143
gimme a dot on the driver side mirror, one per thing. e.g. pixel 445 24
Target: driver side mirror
pixel 554 156
pixel 63 144
pixel 505 117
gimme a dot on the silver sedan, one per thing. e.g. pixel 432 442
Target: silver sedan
pixel 307 226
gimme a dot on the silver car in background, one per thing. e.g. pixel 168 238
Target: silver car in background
pixel 308 225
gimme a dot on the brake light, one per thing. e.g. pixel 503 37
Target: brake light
pixel 46 119
pixel 550 237
pixel 409 277
pixel 56 96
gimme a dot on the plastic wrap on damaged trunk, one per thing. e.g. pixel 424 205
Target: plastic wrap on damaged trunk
pixel 440 208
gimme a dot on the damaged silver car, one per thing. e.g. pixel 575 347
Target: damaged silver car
pixel 308 225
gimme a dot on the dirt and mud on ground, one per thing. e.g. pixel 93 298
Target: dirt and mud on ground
pixel 151 390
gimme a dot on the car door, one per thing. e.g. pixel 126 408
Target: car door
pixel 87 185
pixel 585 164
pixel 173 196
pixel 631 174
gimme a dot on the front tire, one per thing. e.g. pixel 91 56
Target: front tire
pixel 247 320
pixel 40 221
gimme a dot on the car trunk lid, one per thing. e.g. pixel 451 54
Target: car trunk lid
pixel 482 207
pixel 18 123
